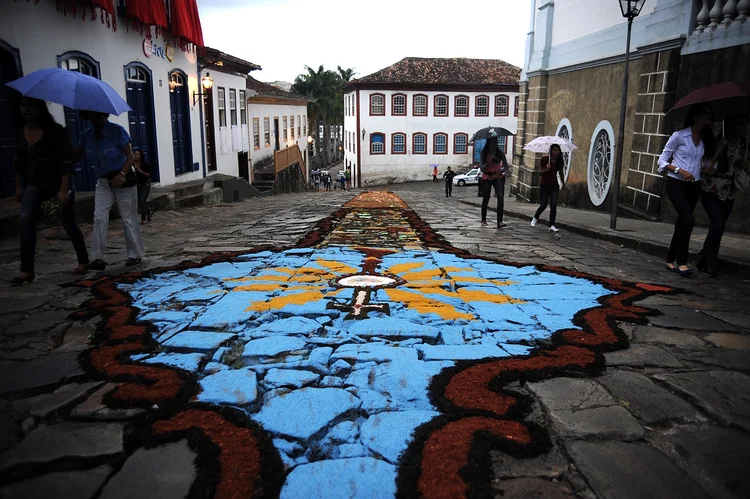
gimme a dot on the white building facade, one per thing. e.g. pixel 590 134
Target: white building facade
pixel 405 118
pixel 277 120
pixel 156 76
pixel 227 135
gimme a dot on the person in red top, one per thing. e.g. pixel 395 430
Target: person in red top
pixel 434 173
pixel 551 181
pixel 493 166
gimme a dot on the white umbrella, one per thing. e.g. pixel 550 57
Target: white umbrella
pixel 542 144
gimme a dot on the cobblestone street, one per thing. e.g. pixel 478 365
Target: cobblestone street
pixel 661 408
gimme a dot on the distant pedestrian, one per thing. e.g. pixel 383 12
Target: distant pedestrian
pixel 719 187
pixel 551 180
pixel 434 173
pixel 493 167
pixel 44 167
pixel 448 178
pixel 342 181
pixel 106 148
pixel 348 176
pixel 682 158
pixel 316 179
pixel 143 172
pixel 327 181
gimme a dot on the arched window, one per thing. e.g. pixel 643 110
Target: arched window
pixel 440 143
pixel 601 154
pixel 398 105
pixel 377 143
pixel 176 80
pixel 441 105
pixel 461 107
pixel 460 143
pixel 420 105
pixel 419 143
pixel 377 105
pixel 136 74
pixel 79 62
pixel 398 143
pixel 565 130
pixel 501 105
pixel 482 107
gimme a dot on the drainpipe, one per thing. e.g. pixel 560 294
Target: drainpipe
pixel 203 121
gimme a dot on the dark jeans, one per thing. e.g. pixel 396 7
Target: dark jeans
pixel 434 178
pixel 448 187
pixel 31 210
pixel 684 196
pixel 143 192
pixel 548 195
pixel 718 212
pixel 499 186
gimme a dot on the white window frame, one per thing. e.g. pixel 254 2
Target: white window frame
pixel 256 133
pixel 486 106
pixel 435 143
pixel 267 131
pixel 416 106
pixel 243 108
pixel 395 144
pixel 381 106
pixel 233 106
pixel 222 104
pixel 424 144
pixel 401 107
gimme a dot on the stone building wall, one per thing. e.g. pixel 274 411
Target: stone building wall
pixel 656 90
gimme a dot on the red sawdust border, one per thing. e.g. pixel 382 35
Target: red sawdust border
pixel 449 456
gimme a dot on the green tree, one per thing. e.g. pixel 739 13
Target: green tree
pixel 320 86
pixel 325 87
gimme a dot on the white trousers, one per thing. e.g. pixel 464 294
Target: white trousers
pixel 127 202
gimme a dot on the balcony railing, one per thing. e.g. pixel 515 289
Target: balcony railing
pixel 721 14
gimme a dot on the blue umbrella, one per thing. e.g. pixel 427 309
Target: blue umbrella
pixel 74 90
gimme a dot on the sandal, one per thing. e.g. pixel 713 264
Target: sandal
pixel 80 270
pixel 22 279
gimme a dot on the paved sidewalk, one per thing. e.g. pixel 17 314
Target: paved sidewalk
pixel 641 235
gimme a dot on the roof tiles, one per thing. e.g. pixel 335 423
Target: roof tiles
pixel 434 71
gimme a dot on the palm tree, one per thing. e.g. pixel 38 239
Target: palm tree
pixel 320 86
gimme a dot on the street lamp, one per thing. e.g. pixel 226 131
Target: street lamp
pixel 309 139
pixel 206 84
pixel 630 10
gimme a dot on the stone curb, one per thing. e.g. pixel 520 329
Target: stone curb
pixel 629 242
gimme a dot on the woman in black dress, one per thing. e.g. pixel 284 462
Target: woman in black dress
pixel 44 167
pixel 143 170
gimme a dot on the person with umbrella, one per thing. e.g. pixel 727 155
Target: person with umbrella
pixel 551 181
pixel 719 187
pixel 44 168
pixel 682 158
pixel 493 166
pixel 106 148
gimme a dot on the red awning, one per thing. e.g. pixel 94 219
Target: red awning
pixel 186 23
pixel 106 10
pixel 148 12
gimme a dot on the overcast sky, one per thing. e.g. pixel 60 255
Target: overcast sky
pixel 283 36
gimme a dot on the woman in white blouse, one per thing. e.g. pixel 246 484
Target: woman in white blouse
pixel 682 157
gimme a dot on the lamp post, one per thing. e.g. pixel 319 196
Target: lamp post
pixel 630 10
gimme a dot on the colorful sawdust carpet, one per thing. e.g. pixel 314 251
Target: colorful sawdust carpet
pixel 368 361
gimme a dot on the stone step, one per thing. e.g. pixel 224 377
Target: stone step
pixel 214 195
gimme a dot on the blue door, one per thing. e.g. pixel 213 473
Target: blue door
pixel 178 101
pixel 141 119
pixel 85 176
pixel 9 101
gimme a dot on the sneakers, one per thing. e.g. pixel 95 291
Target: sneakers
pixel 132 261
pixel 533 222
pixel 552 228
